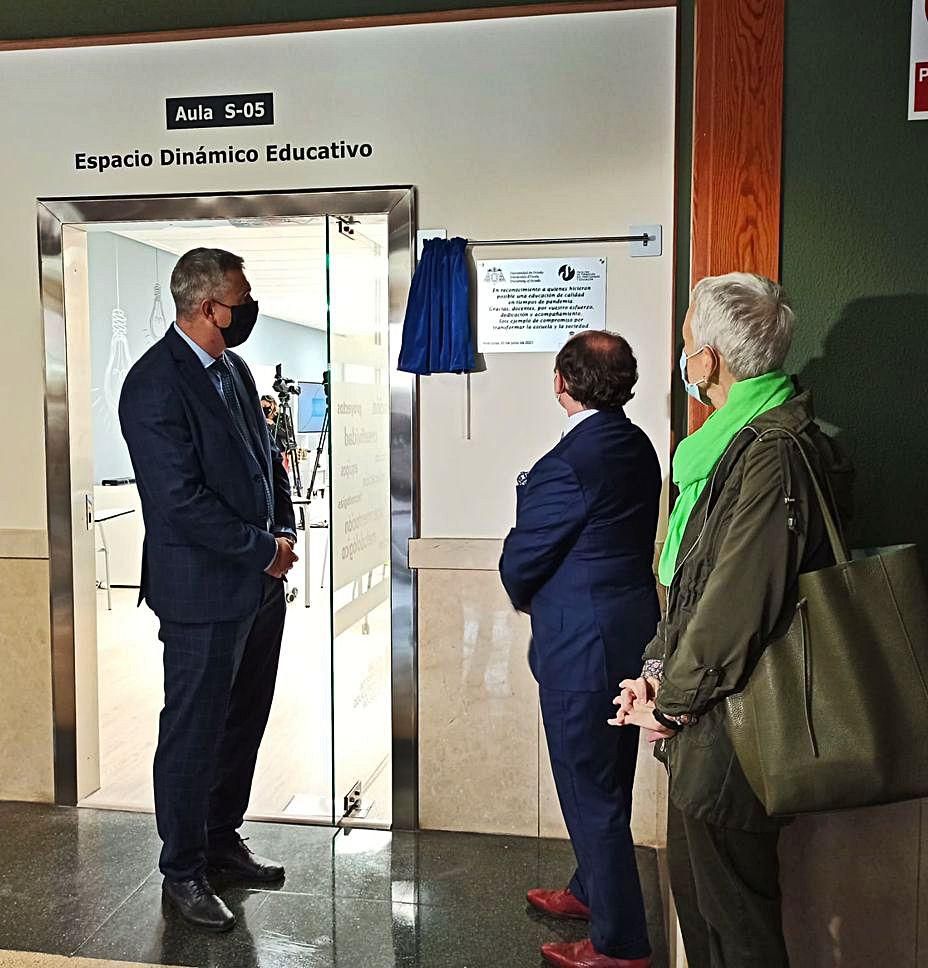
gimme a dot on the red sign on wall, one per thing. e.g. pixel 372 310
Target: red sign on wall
pixel 918 63
pixel 921 86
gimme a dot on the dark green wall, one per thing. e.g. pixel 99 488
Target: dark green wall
pixel 855 248
pixel 64 18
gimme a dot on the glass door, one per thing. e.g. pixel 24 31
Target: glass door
pixel 117 306
pixel 361 633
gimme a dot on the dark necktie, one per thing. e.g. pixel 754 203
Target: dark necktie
pixel 234 406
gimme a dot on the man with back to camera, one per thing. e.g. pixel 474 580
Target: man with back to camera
pixel 580 562
pixel 219 538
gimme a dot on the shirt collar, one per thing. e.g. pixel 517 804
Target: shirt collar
pixel 201 353
pixel 577 419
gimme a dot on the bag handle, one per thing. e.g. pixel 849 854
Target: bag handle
pixel 835 538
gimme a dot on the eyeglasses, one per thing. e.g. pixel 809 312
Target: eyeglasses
pixel 219 302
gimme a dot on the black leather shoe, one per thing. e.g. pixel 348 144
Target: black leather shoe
pixel 195 901
pixel 238 861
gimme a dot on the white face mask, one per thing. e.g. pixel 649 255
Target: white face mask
pixel 691 388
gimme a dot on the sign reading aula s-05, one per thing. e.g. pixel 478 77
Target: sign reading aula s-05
pixel 219 111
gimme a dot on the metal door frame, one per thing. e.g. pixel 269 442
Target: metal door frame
pixel 398 203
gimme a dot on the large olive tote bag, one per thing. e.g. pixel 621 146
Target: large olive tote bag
pixel 835 713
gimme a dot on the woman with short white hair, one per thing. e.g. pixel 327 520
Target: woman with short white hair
pixel 744 527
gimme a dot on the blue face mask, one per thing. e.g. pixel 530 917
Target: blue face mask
pixel 691 388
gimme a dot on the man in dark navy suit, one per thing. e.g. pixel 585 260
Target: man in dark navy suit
pixel 219 538
pixel 579 561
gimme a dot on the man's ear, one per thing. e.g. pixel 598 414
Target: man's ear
pixel 206 309
pixel 559 385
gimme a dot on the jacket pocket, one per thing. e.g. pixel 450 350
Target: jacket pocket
pixel 546 618
pixel 705 731
pixel 568 650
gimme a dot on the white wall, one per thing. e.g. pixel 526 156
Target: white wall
pixel 521 128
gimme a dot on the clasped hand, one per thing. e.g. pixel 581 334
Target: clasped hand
pixel 636 708
pixel 286 558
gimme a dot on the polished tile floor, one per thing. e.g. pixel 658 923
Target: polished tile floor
pixel 85 882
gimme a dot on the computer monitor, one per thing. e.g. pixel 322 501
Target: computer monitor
pixel 310 412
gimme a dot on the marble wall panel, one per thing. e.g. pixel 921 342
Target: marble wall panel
pixel 26 751
pixel 478 720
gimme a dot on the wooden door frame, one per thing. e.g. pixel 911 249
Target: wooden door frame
pixel 737 143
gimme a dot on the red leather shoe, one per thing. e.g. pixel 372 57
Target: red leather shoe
pixel 582 954
pixel 559 904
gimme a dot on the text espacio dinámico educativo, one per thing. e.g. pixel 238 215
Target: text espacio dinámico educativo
pixel 230 155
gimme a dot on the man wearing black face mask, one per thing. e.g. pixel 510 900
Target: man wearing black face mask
pixel 219 537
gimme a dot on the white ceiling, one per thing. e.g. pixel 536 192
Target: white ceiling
pixel 284 257
pixel 284 261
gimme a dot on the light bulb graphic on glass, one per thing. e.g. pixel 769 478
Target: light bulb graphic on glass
pixel 120 359
pixel 157 321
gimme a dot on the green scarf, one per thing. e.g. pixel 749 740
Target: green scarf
pixel 697 455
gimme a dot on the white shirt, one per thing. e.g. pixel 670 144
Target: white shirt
pixel 205 358
pixel 577 419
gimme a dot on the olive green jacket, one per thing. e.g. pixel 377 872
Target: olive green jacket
pixel 734 589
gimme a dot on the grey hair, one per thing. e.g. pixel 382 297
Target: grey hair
pixel 747 318
pixel 201 274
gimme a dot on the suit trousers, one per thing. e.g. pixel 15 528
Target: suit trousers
pixel 219 683
pixel 726 890
pixel 594 769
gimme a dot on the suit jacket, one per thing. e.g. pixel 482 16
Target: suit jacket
pixel 207 541
pixel 580 558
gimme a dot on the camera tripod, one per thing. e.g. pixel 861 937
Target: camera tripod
pixel 320 450
pixel 283 430
pixel 284 434
pixel 320 447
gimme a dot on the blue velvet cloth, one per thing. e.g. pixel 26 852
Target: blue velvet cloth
pixel 436 332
